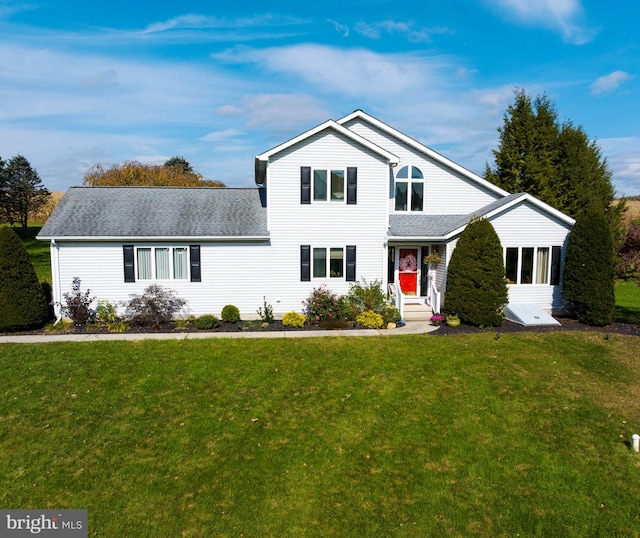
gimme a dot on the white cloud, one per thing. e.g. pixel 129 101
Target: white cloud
pixel 562 16
pixel 340 28
pixel 217 136
pixel 413 35
pixel 610 82
pixel 355 72
pixel 623 157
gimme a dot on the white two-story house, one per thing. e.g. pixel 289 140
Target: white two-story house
pixel 347 200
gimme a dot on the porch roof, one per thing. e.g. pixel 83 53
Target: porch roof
pixel 436 227
pixel 405 226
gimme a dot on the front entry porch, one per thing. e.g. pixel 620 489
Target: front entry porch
pixel 411 280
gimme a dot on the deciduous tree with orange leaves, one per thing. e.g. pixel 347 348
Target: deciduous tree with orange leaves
pixel 176 172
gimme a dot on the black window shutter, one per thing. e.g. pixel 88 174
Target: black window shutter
pixel 555 266
pixel 129 265
pixel 194 260
pixel 351 263
pixel 305 184
pixel 352 185
pixel 305 263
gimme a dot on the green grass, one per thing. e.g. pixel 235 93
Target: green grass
pixel 399 436
pixel 38 251
pixel 627 300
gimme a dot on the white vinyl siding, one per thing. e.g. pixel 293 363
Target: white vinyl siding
pixel 327 224
pixel 232 273
pixel 446 192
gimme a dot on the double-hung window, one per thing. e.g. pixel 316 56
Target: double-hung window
pixel 409 189
pixel 532 265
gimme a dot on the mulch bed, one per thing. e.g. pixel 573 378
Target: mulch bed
pixel 567 324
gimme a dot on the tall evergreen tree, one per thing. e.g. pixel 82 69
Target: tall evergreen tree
pixel 588 270
pixel 557 163
pixel 525 160
pixel 22 299
pixel 26 193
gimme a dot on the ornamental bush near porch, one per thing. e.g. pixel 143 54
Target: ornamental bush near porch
pixel 476 286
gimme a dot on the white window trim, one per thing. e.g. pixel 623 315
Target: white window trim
pixel 328 170
pixel 534 273
pixel 154 274
pixel 327 252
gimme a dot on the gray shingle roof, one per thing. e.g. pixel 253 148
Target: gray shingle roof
pixel 158 212
pixel 439 226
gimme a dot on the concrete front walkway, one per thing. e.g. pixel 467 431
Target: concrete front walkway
pixel 412 327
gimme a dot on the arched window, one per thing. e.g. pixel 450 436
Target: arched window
pixel 409 191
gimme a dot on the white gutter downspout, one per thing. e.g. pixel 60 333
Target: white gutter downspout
pixel 56 292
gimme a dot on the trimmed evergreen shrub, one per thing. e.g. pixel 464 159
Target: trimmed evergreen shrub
pixel 293 319
pixel 230 314
pixel 588 280
pixel 206 322
pixel 476 285
pixel 23 304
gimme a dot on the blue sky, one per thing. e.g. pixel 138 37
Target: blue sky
pixel 83 83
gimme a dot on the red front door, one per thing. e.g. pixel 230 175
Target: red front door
pixel 408 270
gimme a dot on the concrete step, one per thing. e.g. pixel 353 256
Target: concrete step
pixel 417 312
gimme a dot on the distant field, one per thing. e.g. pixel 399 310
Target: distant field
pixel 633 210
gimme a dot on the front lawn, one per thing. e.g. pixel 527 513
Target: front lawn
pixel 627 301
pixel 401 436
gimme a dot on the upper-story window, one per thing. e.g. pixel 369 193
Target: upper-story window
pixel 329 185
pixel 409 194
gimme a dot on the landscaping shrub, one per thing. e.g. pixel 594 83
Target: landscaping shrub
pixel 628 264
pixel 370 320
pixel 390 313
pixel 118 327
pixel 207 322
pixel 265 312
pixel 23 304
pixel 367 296
pixel 77 304
pixel 476 285
pixel 294 319
pixel 106 311
pixel 588 280
pixel 324 305
pixel 230 314
pixel 155 306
